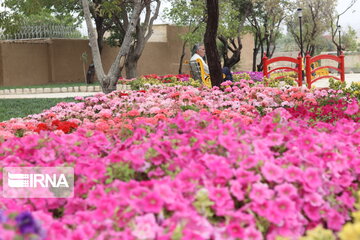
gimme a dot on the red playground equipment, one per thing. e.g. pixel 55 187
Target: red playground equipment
pixel 309 70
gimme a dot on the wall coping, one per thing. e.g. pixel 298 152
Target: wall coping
pixel 19 91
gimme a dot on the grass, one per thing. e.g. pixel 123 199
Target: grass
pixel 11 108
pixel 52 85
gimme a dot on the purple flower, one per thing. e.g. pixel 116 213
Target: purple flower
pixel 3 217
pixel 255 76
pixel 27 224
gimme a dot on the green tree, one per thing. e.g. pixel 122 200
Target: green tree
pixel 266 18
pixel 112 16
pixel 315 22
pixel 286 43
pixel 193 15
pixel 231 27
pixel 334 18
pixel 349 40
pixel 142 34
pixel 119 21
pixel 18 13
pixel 108 81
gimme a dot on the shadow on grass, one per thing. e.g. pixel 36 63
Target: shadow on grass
pixel 12 108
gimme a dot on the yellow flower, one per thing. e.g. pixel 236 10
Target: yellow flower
pixel 282 238
pixel 350 231
pixel 356 216
pixel 319 233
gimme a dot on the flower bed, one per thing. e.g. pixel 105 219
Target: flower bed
pixel 244 162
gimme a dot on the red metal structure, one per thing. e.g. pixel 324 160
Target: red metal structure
pixel 297 61
pixel 309 72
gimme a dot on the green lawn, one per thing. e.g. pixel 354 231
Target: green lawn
pixel 10 108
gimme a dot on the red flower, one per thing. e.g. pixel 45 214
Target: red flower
pixel 174 94
pixel 66 127
pixel 180 76
pixel 55 122
pixel 41 127
pixel 151 76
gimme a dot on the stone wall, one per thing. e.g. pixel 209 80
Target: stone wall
pixel 42 61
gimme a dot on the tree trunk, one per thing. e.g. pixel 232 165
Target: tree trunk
pixel 212 53
pixel 184 47
pixel 255 53
pixel 107 87
pixel 261 43
pixel 143 33
pixel 131 66
pixel 135 52
pixel 182 56
pixel 100 33
pixel 234 49
pixel 108 81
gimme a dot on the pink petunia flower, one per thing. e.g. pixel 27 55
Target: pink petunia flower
pixel 236 190
pixel 96 195
pixel 220 196
pixel 334 219
pixel 252 233
pixel 104 209
pixel 46 154
pixel 312 178
pixel 313 213
pixel 272 172
pixel 286 189
pixel 293 174
pixel 284 207
pixel 151 203
pixel 260 193
pixel 352 108
pixel 314 199
pixel 246 177
pixel 234 229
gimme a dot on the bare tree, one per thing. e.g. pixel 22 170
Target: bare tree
pixel 108 81
pixel 212 7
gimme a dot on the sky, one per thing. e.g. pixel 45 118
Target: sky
pixel 351 17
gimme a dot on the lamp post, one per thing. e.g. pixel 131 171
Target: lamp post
pixel 299 11
pixel 339 28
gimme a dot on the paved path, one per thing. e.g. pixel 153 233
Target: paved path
pixel 349 78
pixel 48 95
